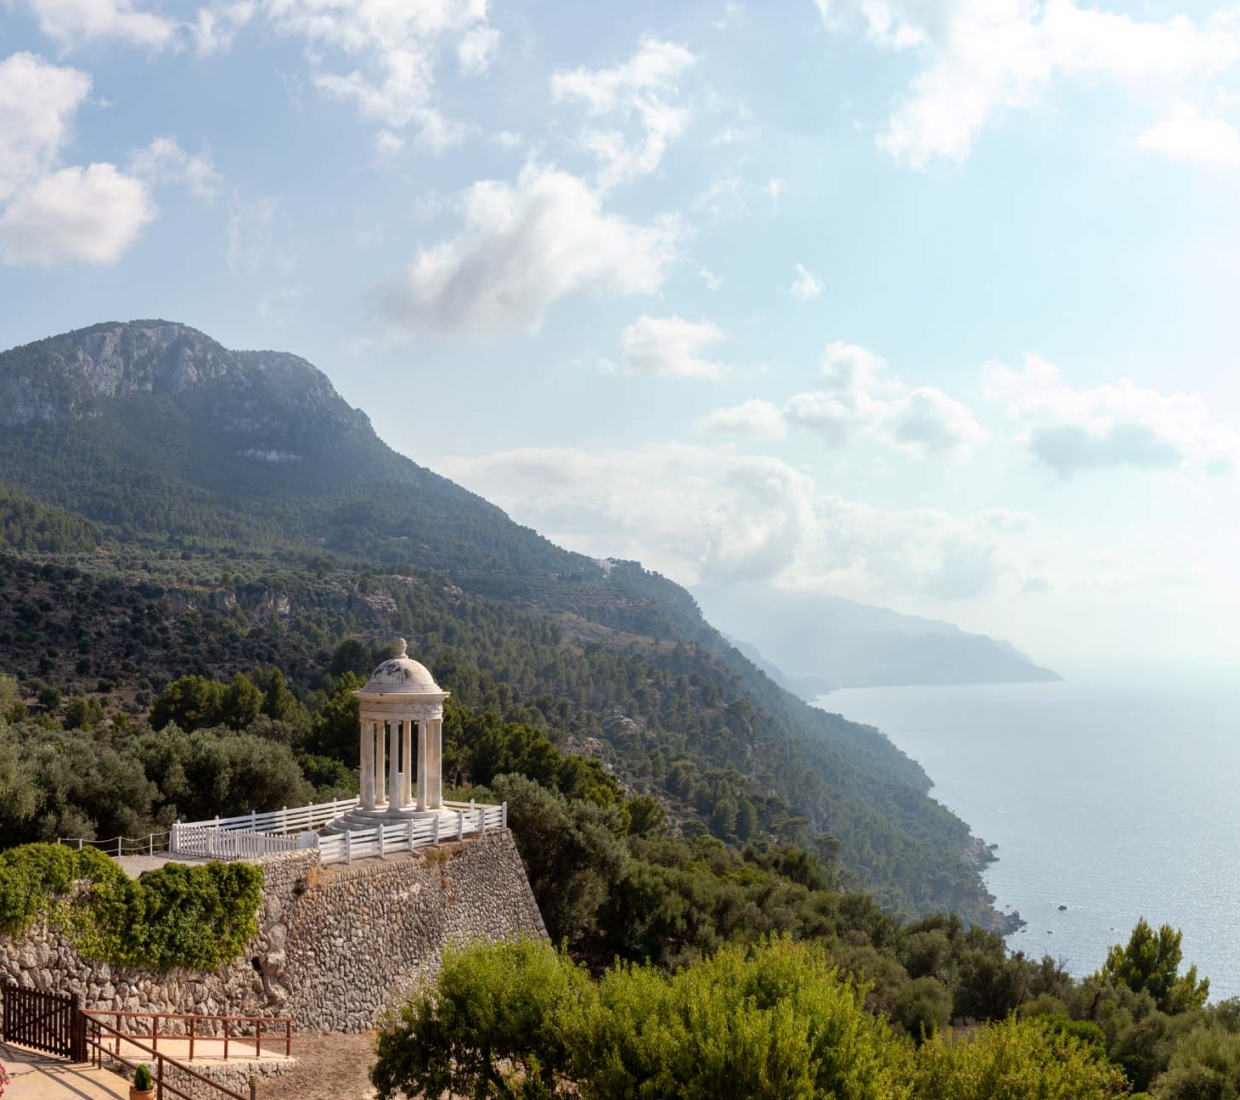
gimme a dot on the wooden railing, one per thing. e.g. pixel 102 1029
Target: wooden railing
pixel 97 1033
pixel 233 1030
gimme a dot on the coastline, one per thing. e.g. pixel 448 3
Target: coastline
pixel 979 855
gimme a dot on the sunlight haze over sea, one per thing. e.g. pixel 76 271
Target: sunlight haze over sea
pixel 1115 799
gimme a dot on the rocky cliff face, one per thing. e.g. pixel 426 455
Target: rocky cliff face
pixel 65 377
pixel 172 397
pixel 72 376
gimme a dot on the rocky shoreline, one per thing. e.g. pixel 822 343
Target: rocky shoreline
pixel 978 855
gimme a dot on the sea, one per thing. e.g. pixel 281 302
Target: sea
pixel 1107 800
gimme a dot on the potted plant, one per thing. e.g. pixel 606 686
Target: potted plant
pixel 4 1080
pixel 143 1087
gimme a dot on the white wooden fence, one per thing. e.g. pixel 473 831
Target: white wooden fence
pixel 287 830
pixel 465 820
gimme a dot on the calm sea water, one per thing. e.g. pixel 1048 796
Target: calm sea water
pixel 1115 800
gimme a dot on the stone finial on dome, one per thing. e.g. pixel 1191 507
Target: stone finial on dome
pixel 401 675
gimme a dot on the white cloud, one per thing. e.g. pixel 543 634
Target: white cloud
pixel 164 161
pixel 711 514
pixel 399 98
pixel 672 346
pixel 727 195
pixel 88 215
pixel 507 139
pixel 37 105
pixel 776 189
pixel 712 281
pixel 857 400
pixel 733 10
pixel 387 142
pixel 73 21
pixel 752 419
pixel 523 247
pixel 927 420
pixel 1121 424
pixel 477 49
pixel 1191 136
pixel 255 239
pixel 806 284
pixel 214 28
pixel 641 88
pixel 395 45
pixel 986 56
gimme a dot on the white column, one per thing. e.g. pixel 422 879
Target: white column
pixel 434 754
pixel 375 733
pixel 394 784
pixel 367 767
pixel 407 772
pixel 381 787
pixel 423 767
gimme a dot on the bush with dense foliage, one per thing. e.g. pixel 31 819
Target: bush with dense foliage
pixel 1150 963
pixel 774 1021
pixel 495 1024
pixel 1014 1060
pixel 195 916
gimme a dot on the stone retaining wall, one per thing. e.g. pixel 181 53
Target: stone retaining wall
pixel 336 945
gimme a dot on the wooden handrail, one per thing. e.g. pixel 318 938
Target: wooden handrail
pixel 186 1015
pixel 95 1041
pixel 192 1033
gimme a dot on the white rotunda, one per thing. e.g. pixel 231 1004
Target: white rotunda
pixel 401 776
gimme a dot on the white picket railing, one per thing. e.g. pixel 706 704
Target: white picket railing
pixel 466 820
pixel 263 834
pixel 296 820
pixel 211 843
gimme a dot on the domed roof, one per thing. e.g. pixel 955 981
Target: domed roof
pixel 401 675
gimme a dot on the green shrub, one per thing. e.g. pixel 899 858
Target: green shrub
pixel 33 876
pixel 198 917
pixel 492 1026
pixel 770 1023
pixel 142 1079
pixel 1013 1060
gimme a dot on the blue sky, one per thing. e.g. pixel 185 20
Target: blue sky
pixel 927 303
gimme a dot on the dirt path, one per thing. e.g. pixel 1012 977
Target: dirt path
pixel 330 1066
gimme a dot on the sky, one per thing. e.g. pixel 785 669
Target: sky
pixel 930 304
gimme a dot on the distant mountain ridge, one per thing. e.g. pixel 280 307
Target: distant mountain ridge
pixel 819 643
pixel 247 512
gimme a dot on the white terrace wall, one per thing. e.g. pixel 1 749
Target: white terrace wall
pixel 336 944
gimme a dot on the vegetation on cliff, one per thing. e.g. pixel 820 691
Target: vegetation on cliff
pixel 196 917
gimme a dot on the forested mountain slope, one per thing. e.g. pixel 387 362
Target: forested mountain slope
pixel 247 515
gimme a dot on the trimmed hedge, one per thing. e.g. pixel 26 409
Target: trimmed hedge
pixel 198 917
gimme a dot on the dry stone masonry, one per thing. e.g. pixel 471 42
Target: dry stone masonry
pixel 337 945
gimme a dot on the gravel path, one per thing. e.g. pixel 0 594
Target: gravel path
pixel 330 1066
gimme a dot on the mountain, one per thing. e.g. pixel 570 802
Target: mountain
pixel 819 643
pixel 228 509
